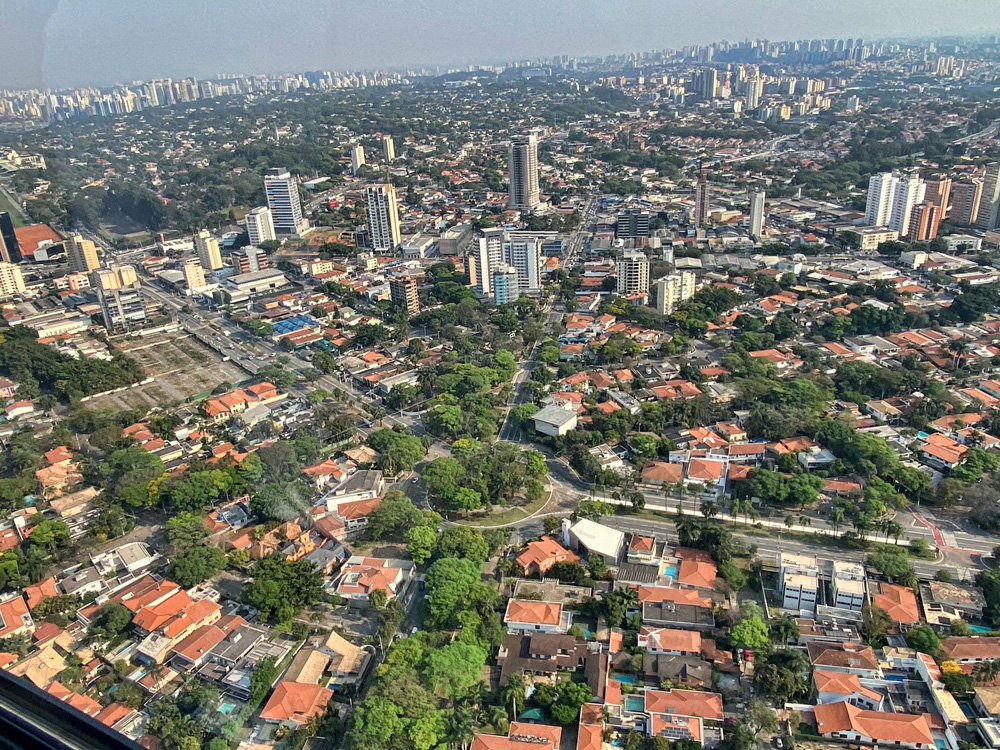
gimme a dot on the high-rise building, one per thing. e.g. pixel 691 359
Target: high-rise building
pixel 891 198
pixel 633 273
pixel 124 309
pixel 965 197
pixel 10 248
pixel 194 274
pixel 388 148
pixel 524 254
pixel 755 90
pixel 403 293
pixel 283 200
pixel 260 225
pixel 11 280
pixel 523 167
pixel 484 257
pixel 208 251
pixel 757 214
pixel 702 197
pixel 82 254
pixel 357 157
pixel 114 277
pixel 924 221
pixel 707 83
pixel 248 259
pixel 672 290
pixel 383 218
pixel 505 284
pixel 632 222
pixel 989 204
pixel 939 192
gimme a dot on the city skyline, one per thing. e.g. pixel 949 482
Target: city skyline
pixel 70 43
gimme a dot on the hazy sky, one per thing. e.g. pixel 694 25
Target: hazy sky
pixel 107 41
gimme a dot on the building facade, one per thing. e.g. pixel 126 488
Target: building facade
pixel 208 251
pixel 260 225
pixel 283 200
pixel 672 290
pixel 523 167
pixel 383 218
pixel 82 254
pixel 633 273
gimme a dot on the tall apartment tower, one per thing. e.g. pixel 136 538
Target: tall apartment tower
pixel 10 248
pixel 484 257
pixel 755 90
pixel 283 200
pixel 249 259
pixel 123 309
pixel 403 293
pixel 194 274
pixel 924 221
pixel 260 225
pixel 207 248
pixel 357 157
pixel 525 255
pixel 506 288
pixel 939 192
pixel 965 197
pixel 82 254
pixel 633 273
pixel 672 290
pixel 880 191
pixel 989 204
pixel 632 222
pixel 757 214
pixel 383 218
pixel 909 192
pixel 11 280
pixel 702 196
pixel 388 148
pixel 523 166
pixel 115 277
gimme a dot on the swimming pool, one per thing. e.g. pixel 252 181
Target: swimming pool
pixel 980 629
pixel 895 678
pixel 227 708
pixel 625 679
pixel 671 571
pixel 635 703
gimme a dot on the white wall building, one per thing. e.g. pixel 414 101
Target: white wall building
pixel 260 225
pixel 283 200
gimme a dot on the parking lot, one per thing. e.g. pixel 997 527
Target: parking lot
pixel 180 367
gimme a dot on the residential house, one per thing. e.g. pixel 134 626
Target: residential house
pixel 669 641
pixel 845 721
pixel 844 657
pixel 538 557
pixel 833 687
pixel 524 616
pixel 295 704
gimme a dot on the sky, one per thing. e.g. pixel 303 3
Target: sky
pixel 57 43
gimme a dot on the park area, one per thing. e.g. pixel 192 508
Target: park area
pixel 181 367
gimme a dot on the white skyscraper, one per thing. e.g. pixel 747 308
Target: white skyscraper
pixel 989 203
pixel 909 192
pixel 383 218
pixel 283 200
pixel 484 258
pixel 880 191
pixel 891 198
pixel 524 254
pixel 633 273
pixel 672 290
pixel 357 157
pixel 207 248
pixel 757 214
pixel 389 148
pixel 755 88
pixel 523 166
pixel 260 225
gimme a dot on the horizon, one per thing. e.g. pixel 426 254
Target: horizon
pixel 57 44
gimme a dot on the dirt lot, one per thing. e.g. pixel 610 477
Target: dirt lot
pixel 180 367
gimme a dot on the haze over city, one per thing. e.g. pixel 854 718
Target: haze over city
pixel 94 42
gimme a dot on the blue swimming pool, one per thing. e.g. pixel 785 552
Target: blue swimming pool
pixel 227 708
pixel 980 629
pixel 671 571
pixel 624 679
pixel 895 678
pixel 635 703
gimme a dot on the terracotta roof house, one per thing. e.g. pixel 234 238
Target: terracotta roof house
pixel 844 657
pixel 670 641
pixel 899 601
pixel 832 687
pixel 685 703
pixel 537 558
pixel 543 617
pixel 846 721
pixel 295 703
pixel 971 649
pixel 696 569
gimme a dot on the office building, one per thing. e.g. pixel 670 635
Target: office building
pixel 260 225
pixel 383 218
pixel 10 248
pixel 207 248
pixel 523 167
pixel 194 274
pixel 633 273
pixel 283 200
pixel 388 148
pixel 938 192
pixel 249 260
pixel 757 215
pixel 357 157
pixel 989 203
pixel 632 222
pixel 965 198
pixel 672 290
pixel 848 585
pixel 115 277
pixel 505 284
pixel 403 293
pixel 486 255
pixel 891 199
pixel 702 196
pixel 124 309
pixel 800 581
pixel 11 280
pixel 82 254
pixel 924 221
pixel 524 254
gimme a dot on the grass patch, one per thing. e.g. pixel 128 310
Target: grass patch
pixel 7 206
pixel 511 515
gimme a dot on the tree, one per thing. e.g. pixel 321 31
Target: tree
pixel 454 668
pixel 875 624
pixel 377 598
pixel 420 543
pixel 893 563
pixel 922 638
pixel 782 676
pixel 450 582
pixel 464 542
pixel 399 451
pixel 751 632
pixel 784 628
pixel 279 461
pixel 759 717
pixel 185 530
pixel 280 588
pixel 111 620
pixel 441 476
pixel 397 513
pixel 376 721
pixel 196 565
